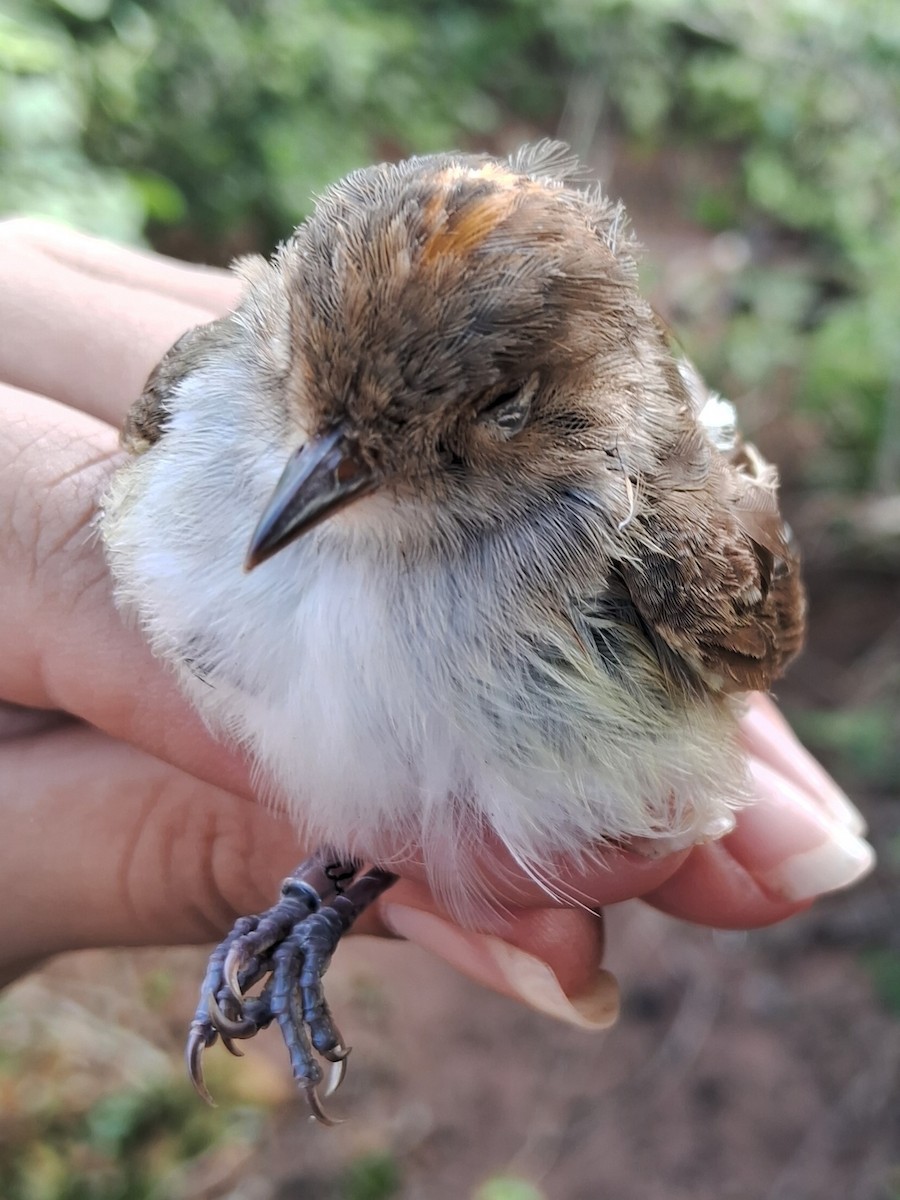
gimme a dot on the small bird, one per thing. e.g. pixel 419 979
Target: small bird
pixel 439 528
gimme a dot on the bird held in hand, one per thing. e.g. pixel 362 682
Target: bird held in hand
pixel 440 530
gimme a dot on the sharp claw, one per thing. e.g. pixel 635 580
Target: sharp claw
pixel 231 971
pixel 230 1046
pixel 196 1044
pixel 338 1052
pixel 286 957
pixel 318 1113
pixel 225 1025
pixel 336 1073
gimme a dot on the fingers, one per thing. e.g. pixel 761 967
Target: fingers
pixel 105 845
pixel 85 322
pixel 62 645
pixel 86 340
pixel 766 735
pixel 786 850
pixel 201 287
pixel 714 888
pixel 548 959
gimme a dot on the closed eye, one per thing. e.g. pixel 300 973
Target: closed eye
pixel 508 412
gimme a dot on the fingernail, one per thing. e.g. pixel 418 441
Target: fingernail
pixel 533 982
pixel 774 741
pixel 497 964
pixel 791 847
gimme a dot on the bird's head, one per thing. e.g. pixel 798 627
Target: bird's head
pixel 460 334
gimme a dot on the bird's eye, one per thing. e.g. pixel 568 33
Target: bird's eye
pixel 509 411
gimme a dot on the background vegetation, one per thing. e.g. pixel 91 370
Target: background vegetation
pixel 204 128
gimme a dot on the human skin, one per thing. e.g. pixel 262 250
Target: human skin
pixel 125 823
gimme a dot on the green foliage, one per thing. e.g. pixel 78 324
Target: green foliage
pixel 371 1177
pixel 208 126
pixel 884 968
pixel 507 1187
pixel 126 1146
pixel 44 167
pixel 863 739
pixel 811 91
pixel 226 116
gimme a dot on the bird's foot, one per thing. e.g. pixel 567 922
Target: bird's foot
pixel 287 949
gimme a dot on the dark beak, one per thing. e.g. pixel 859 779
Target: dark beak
pixel 323 477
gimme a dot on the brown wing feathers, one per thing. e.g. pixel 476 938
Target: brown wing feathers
pixel 715 575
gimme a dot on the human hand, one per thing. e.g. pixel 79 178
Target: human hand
pixel 125 824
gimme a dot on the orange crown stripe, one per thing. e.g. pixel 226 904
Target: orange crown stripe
pixel 469 228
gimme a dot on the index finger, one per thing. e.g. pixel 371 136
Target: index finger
pixel 85 321
pixel 191 283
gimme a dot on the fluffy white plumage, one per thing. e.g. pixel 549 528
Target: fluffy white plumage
pixel 385 700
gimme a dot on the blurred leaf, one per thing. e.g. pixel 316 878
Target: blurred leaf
pixel 884 968
pixel 864 738
pixel 506 1187
pixel 371 1177
pixel 162 201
